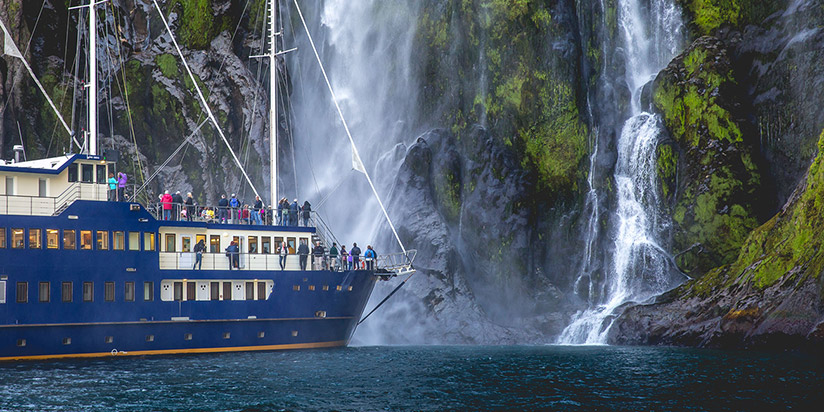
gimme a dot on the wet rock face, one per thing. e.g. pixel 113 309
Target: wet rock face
pixel 710 174
pixel 460 203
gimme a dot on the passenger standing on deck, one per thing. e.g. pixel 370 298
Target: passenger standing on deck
pixel 112 187
pixel 344 258
pixel 303 251
pixel 307 212
pixel 281 212
pixel 333 256
pixel 177 205
pixel 317 257
pixel 293 213
pixel 235 205
pixel 223 210
pixel 190 206
pixel 284 250
pixel 200 247
pixel 370 257
pixel 245 215
pixel 258 209
pixel 121 187
pixel 166 200
pixel 232 253
pixel 355 252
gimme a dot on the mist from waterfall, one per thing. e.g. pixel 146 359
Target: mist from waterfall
pixel 638 267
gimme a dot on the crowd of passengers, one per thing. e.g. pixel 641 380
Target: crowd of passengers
pixel 336 259
pixel 232 210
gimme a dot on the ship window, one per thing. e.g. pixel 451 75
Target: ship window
pixel 43 292
pixel 67 341
pixel 88 291
pixel 87 171
pixel 261 335
pixel 266 244
pixel 2 291
pixel 339 288
pixel 198 238
pixel 9 185
pixel 108 292
pixel 51 238
pixel 291 242
pixel 21 342
pixel 85 239
pixel 187 336
pixel 311 287
pixel 101 174
pixel 148 291
pixel 253 244
pixel 119 240
pixel 320 314
pixel 73 172
pixel 296 287
pixel 170 242
pixel 261 290
pixel 186 244
pixel 17 238
pixel 102 240
pixel 278 242
pixel 134 240
pixel 191 292
pixel 128 292
pixel 349 288
pixel 214 244
pixel 69 239
pixel 35 237
pixel 325 287
pixel 214 289
pixel 250 290
pixel 66 291
pixel 227 335
pixel 41 188
pixel 148 241
pixel 2 238
pixel 227 290
pixel 178 291
pixel 22 292
pixel 149 338
pixel 108 339
pixel 294 333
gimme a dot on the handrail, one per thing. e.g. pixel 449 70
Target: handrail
pixel 257 261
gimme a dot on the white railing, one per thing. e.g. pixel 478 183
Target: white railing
pixel 47 206
pixel 245 261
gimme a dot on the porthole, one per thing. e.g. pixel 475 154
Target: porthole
pixel 325 287
pixel 187 336
pixel 340 287
pixel 294 333
pixel 349 288
pixel 227 335
pixel 311 287
pixel 67 341
pixel 320 314
pixel 261 335
pixel 109 339
pixel 296 287
pixel 149 338
pixel 21 342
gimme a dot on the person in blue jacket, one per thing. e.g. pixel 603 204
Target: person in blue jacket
pixel 293 213
pixel 232 252
pixel 235 205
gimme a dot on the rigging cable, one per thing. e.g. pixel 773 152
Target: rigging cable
pixel 203 99
pixel 356 156
pixel 169 159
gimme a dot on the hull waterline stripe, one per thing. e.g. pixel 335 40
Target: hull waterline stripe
pixel 314 345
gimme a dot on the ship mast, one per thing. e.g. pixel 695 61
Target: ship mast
pixel 273 107
pixel 92 149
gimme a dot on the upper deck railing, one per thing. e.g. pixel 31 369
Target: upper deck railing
pixel 47 206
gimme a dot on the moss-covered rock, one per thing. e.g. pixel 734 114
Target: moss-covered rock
pixel 716 203
pixel 707 16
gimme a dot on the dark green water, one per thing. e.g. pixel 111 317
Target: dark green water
pixel 424 378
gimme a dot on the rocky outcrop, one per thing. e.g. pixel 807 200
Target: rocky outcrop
pixel 710 173
pixel 772 296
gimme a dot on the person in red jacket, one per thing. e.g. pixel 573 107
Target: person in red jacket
pixel 166 200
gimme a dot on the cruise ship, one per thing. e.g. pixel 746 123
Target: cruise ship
pixel 83 276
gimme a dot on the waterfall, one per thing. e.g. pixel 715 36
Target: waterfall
pixel 639 266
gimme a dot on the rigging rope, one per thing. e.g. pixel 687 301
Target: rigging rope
pixel 169 159
pixel 202 99
pixel 346 127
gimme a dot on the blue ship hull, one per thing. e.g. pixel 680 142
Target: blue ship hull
pixel 304 309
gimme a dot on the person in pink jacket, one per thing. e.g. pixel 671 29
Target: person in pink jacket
pixel 166 200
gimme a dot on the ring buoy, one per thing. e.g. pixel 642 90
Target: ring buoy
pixel 114 352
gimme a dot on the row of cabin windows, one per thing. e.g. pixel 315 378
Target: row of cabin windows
pixel 67 292
pixel 252 242
pixel 151 338
pixel 89 239
pixel 86 173
pixel 215 289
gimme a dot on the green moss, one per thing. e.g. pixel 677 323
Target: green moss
pixel 197 23
pixel 667 161
pixel 712 14
pixel 167 65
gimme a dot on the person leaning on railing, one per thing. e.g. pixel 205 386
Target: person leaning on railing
pixel 333 257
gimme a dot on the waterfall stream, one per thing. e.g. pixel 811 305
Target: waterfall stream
pixel 639 267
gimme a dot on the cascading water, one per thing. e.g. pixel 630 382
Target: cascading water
pixel 639 267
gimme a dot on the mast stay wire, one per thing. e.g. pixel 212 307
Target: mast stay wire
pixel 203 99
pixel 169 159
pixel 346 128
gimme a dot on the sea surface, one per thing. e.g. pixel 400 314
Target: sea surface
pixel 424 378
